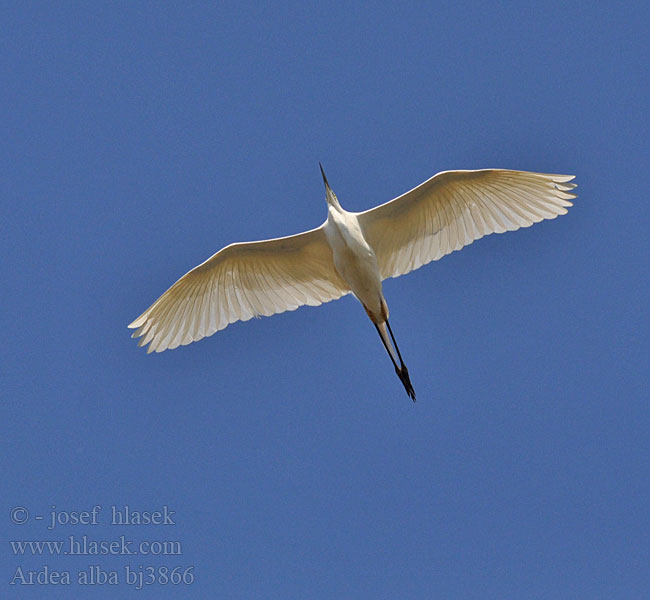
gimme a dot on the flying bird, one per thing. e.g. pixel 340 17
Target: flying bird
pixel 351 252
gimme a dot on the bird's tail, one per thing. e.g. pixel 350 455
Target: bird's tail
pixel 402 372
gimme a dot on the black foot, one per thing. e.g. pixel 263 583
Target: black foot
pixel 403 374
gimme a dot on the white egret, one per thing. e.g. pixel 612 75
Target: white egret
pixel 351 252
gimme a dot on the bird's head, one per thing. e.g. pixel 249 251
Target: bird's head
pixel 330 196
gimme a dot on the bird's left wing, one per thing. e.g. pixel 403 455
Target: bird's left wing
pixel 242 281
pixel 454 208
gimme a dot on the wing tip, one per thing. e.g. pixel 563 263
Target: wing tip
pixel 139 322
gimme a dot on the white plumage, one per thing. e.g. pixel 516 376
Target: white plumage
pixel 350 252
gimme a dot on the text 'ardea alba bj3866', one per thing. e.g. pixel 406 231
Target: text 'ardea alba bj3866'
pixel 351 252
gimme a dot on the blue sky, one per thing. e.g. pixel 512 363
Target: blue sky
pixel 138 139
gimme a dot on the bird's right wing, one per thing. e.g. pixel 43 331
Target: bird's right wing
pixel 241 281
pixel 454 208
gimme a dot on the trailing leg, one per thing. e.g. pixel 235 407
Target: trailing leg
pixel 401 370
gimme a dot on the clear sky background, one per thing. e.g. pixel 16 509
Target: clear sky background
pixel 138 139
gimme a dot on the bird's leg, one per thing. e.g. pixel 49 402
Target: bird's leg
pixel 392 337
pixel 402 371
pixel 383 341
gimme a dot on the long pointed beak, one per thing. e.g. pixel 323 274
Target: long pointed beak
pixel 327 185
pixel 330 196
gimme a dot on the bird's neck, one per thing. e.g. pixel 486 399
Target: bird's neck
pixel 333 201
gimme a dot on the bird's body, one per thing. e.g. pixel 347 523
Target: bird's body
pixel 354 259
pixel 356 262
pixel 351 252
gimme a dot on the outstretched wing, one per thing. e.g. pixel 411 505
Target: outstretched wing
pixel 239 282
pixel 454 208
